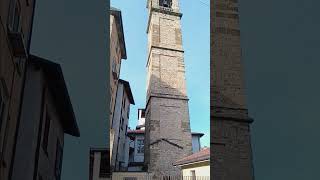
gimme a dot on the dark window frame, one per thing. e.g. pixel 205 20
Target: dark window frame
pixel 104 169
pixel 193 174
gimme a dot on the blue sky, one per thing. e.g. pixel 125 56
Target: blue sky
pixel 196 43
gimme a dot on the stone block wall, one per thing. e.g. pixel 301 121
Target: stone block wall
pixel 168 134
pixel 231 157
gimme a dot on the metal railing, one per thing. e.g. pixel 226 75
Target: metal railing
pixel 151 177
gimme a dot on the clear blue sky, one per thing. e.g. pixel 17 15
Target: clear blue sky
pixel 196 42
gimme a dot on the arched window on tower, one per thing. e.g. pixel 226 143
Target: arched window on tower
pixel 165 3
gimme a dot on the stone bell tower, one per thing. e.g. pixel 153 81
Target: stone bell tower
pixel 168 135
pixel 230 124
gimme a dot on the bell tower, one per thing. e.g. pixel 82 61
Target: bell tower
pixel 168 135
pixel 231 157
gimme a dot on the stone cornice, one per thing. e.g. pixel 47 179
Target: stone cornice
pixel 161 47
pixel 167 97
pixel 165 11
pixel 229 118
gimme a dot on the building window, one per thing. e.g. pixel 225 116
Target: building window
pixel 123 102
pixel 128 111
pixel 118 48
pixel 46 132
pixel 58 163
pixel 104 165
pixel 121 123
pixel 140 146
pixel 143 113
pixel 14 16
pixel 193 175
pixel 1 107
pixel 165 3
pixel 114 69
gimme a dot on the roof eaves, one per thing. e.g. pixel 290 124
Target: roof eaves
pixel 56 82
pixel 117 14
pixel 126 85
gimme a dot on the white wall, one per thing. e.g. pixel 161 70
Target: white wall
pixel 120 147
pixel 200 171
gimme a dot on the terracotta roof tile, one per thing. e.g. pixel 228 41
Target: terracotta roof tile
pixel 138 131
pixel 202 155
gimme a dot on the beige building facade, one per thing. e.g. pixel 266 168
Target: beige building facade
pixel 16 17
pixel 167 132
pixel 117 53
pixel 230 124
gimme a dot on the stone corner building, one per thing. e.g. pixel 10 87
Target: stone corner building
pixel 168 134
pixel 230 124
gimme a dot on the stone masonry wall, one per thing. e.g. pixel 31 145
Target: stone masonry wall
pixel 168 134
pixel 230 125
